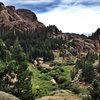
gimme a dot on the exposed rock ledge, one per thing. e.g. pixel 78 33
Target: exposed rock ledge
pixel 6 96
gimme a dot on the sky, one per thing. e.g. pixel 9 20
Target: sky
pixel 74 16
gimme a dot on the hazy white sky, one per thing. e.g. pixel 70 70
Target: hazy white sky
pixel 78 20
pixel 77 16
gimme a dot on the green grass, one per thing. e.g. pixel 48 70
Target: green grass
pixel 45 86
pixel 37 82
pixel 67 71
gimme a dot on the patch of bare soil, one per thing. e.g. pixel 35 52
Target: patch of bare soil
pixel 59 98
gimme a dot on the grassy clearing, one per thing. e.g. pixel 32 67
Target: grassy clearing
pixel 37 82
pixel 45 86
pixel 67 71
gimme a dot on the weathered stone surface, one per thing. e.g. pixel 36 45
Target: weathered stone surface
pixel 27 15
pixel 22 18
pixel 6 96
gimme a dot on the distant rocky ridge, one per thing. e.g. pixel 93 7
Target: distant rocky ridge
pixel 96 35
pixel 24 19
pixel 81 43
pixel 86 44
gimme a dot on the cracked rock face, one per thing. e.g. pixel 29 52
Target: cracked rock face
pixel 2 6
pixel 27 15
pixel 20 18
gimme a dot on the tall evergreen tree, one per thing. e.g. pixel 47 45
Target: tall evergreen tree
pixel 14 75
pixel 98 69
pixel 95 91
pixel 88 72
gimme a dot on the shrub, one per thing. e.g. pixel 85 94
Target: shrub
pixel 95 91
pixel 55 64
pixel 86 97
pixel 75 88
pixel 40 92
pixel 80 63
pixel 88 72
pixel 43 69
pixel 70 62
pixel 73 72
pixel 45 77
pixel 64 85
pixel 61 79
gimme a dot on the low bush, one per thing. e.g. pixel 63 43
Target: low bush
pixel 70 62
pixel 75 88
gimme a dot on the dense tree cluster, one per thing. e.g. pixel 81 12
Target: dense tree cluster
pixel 36 43
pixel 86 64
pixel 14 75
pixel 90 74
pixel 95 90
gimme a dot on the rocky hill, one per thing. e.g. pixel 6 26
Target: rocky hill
pixel 85 44
pixel 96 35
pixel 24 19
pixel 20 18
pixel 80 43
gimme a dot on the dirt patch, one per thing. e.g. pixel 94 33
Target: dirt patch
pixel 59 98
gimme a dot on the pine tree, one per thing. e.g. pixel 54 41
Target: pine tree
pixel 15 68
pixel 88 72
pixel 98 69
pixel 95 91
pixel 23 87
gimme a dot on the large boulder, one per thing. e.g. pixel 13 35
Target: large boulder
pixel 12 12
pixel 96 35
pixel 6 96
pixel 22 19
pixel 97 46
pixel 79 44
pixel 27 15
pixel 2 6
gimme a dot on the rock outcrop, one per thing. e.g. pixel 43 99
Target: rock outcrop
pixel 82 43
pixel 86 45
pixel 21 18
pixel 96 35
pixel 6 96
pixel 26 15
